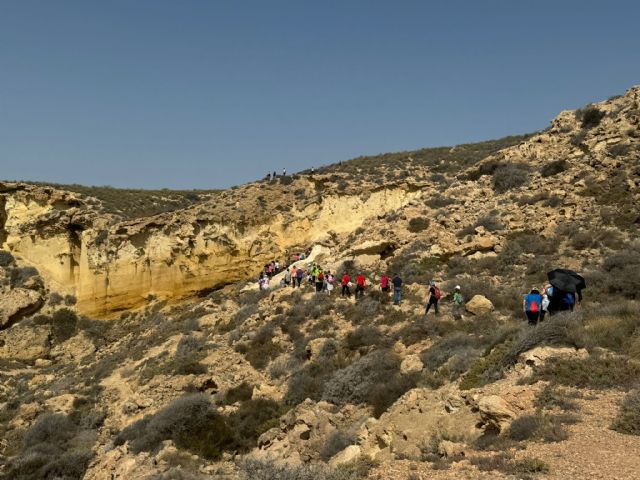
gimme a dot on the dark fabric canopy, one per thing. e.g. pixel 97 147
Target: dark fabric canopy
pixel 566 280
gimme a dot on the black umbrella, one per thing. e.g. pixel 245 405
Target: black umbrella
pixel 566 280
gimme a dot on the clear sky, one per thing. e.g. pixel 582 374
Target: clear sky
pixel 208 94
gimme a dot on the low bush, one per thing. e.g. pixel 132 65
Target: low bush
pixel 267 470
pixel 589 116
pixel 418 224
pixel 6 258
pixel 363 336
pixel 190 421
pixel 260 350
pixel 189 351
pixel 510 176
pixel 54 447
pixel 490 222
pixel 595 371
pixel 241 393
pixel 252 419
pixel 440 202
pixel 20 275
pixel 628 418
pixel 537 427
pixel 554 168
pixel 553 397
pixel 505 463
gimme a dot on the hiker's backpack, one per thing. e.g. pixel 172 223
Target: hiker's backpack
pixel 436 292
pixel 569 299
pixel 532 303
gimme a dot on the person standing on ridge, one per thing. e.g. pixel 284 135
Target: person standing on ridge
pixel 434 297
pixel 287 277
pixel 346 279
pixel 284 172
pixel 294 274
pixel 397 289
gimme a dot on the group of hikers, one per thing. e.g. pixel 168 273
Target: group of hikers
pixel 537 303
pixel 551 299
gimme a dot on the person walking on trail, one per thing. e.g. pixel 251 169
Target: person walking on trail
pixel 532 304
pixel 299 275
pixel 329 280
pixel 287 277
pixel 346 280
pixel 294 273
pixel 457 303
pixel 434 297
pixel 360 284
pixel 319 281
pixel 384 283
pixel 397 289
pixel 544 302
pixel 284 172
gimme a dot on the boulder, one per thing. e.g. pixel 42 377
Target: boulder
pixel 412 422
pixel 450 449
pixel 26 343
pixel 495 412
pixel 479 305
pixel 349 454
pixel 18 303
pixel 374 247
pixel 411 364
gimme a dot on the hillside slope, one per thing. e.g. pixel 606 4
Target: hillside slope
pixel 238 383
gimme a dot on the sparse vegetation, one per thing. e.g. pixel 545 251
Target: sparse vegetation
pixel 510 176
pixel 589 116
pixel 628 419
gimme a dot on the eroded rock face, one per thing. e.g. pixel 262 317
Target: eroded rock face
pixel 110 266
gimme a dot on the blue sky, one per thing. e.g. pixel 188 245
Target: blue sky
pixel 208 94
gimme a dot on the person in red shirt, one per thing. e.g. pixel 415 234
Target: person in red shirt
pixel 360 282
pixel 384 283
pixel 345 284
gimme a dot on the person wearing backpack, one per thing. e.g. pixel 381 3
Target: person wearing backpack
pixel 434 297
pixel 346 279
pixel 532 306
pixel 299 275
pixel 287 277
pixel 384 283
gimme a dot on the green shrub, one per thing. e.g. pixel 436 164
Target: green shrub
pixel 418 224
pixel 505 463
pixel 363 336
pixel 510 176
pixel 54 447
pixel 595 371
pixel 260 350
pixel 537 427
pixel 6 258
pixel 190 421
pixel 554 168
pixel 628 419
pixel 589 116
pixel 553 397
pixel 252 419
pixel 241 393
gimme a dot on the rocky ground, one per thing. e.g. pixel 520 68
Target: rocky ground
pixel 234 383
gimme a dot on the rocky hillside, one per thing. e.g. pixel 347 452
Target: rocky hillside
pixel 141 348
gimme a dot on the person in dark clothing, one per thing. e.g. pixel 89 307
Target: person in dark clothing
pixel 397 289
pixel 434 297
pixel 299 275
